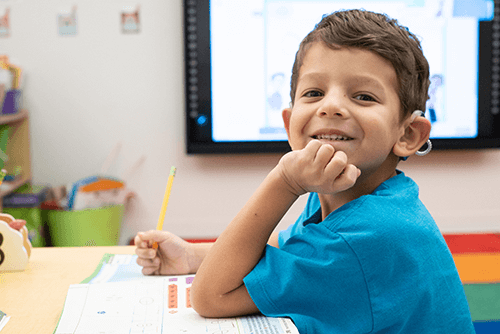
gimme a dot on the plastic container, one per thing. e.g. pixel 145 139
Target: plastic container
pixel 89 227
pixel 4 138
pixel 34 223
pixel 24 203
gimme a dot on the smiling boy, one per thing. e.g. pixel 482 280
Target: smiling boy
pixel 365 256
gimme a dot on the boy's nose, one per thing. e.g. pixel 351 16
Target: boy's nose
pixel 333 106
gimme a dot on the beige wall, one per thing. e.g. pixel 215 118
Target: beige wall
pixel 87 93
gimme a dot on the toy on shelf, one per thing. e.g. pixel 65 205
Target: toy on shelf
pixel 11 99
pixel 96 192
pixel 15 247
pixel 100 190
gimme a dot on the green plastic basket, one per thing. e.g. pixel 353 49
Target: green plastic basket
pixel 89 227
pixel 34 224
pixel 4 138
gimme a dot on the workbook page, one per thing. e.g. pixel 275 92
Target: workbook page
pixel 152 305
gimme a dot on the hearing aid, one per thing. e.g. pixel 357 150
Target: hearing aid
pixel 416 114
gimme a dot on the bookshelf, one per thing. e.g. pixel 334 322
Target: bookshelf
pixel 18 151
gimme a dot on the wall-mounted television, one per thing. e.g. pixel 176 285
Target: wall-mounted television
pixel 239 56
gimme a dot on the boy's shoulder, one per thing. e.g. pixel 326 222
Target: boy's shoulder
pixel 392 210
pixel 394 200
pixel 390 237
pixel 392 217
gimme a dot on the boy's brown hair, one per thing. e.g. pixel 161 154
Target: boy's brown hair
pixel 380 34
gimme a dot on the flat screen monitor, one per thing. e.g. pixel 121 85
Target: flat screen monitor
pixel 239 56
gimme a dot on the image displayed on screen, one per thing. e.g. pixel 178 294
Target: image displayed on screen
pixel 253 46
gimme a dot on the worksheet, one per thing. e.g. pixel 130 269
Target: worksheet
pixel 117 268
pixel 3 319
pixel 117 299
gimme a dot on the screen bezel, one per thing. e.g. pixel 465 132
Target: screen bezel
pixel 198 90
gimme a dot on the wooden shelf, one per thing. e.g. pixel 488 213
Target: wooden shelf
pixel 9 186
pixel 7 119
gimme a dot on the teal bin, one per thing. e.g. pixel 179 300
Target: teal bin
pixel 89 227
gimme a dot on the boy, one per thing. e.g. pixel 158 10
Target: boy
pixel 365 256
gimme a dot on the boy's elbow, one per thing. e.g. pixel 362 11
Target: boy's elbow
pixel 204 303
pixel 198 303
pixel 207 302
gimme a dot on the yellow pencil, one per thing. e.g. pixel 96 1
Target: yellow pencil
pixel 164 205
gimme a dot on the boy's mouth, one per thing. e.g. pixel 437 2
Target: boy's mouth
pixel 332 137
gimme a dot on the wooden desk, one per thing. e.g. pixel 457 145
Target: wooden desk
pixel 34 298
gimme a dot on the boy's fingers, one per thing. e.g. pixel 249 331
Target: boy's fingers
pixel 145 253
pixel 146 239
pixel 147 262
pixel 138 241
pixel 312 148
pixel 324 154
pixel 149 270
pixel 341 156
pixel 348 178
pixel 336 165
pixel 154 235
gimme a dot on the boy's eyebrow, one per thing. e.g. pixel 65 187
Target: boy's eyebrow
pixel 367 80
pixel 312 75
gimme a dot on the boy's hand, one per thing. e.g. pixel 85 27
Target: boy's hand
pixel 171 258
pixel 317 168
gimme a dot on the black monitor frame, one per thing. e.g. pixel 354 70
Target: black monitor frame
pixel 198 90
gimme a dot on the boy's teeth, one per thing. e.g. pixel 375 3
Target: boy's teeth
pixel 332 137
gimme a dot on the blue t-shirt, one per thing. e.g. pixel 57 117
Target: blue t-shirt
pixel 378 264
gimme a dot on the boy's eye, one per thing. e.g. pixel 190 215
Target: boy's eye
pixel 364 97
pixel 313 93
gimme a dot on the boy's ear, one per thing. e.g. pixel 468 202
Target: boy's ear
pixel 415 136
pixel 287 114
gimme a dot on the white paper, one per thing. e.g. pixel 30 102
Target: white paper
pixel 4 318
pixel 151 305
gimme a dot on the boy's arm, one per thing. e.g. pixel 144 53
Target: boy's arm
pixel 174 256
pixel 218 289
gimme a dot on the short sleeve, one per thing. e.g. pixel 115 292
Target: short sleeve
pixel 316 280
pixel 311 212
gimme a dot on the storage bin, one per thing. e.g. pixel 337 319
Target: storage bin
pixel 89 227
pixel 24 203
pixel 34 223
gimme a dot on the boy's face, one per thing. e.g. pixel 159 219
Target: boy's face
pixel 348 99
